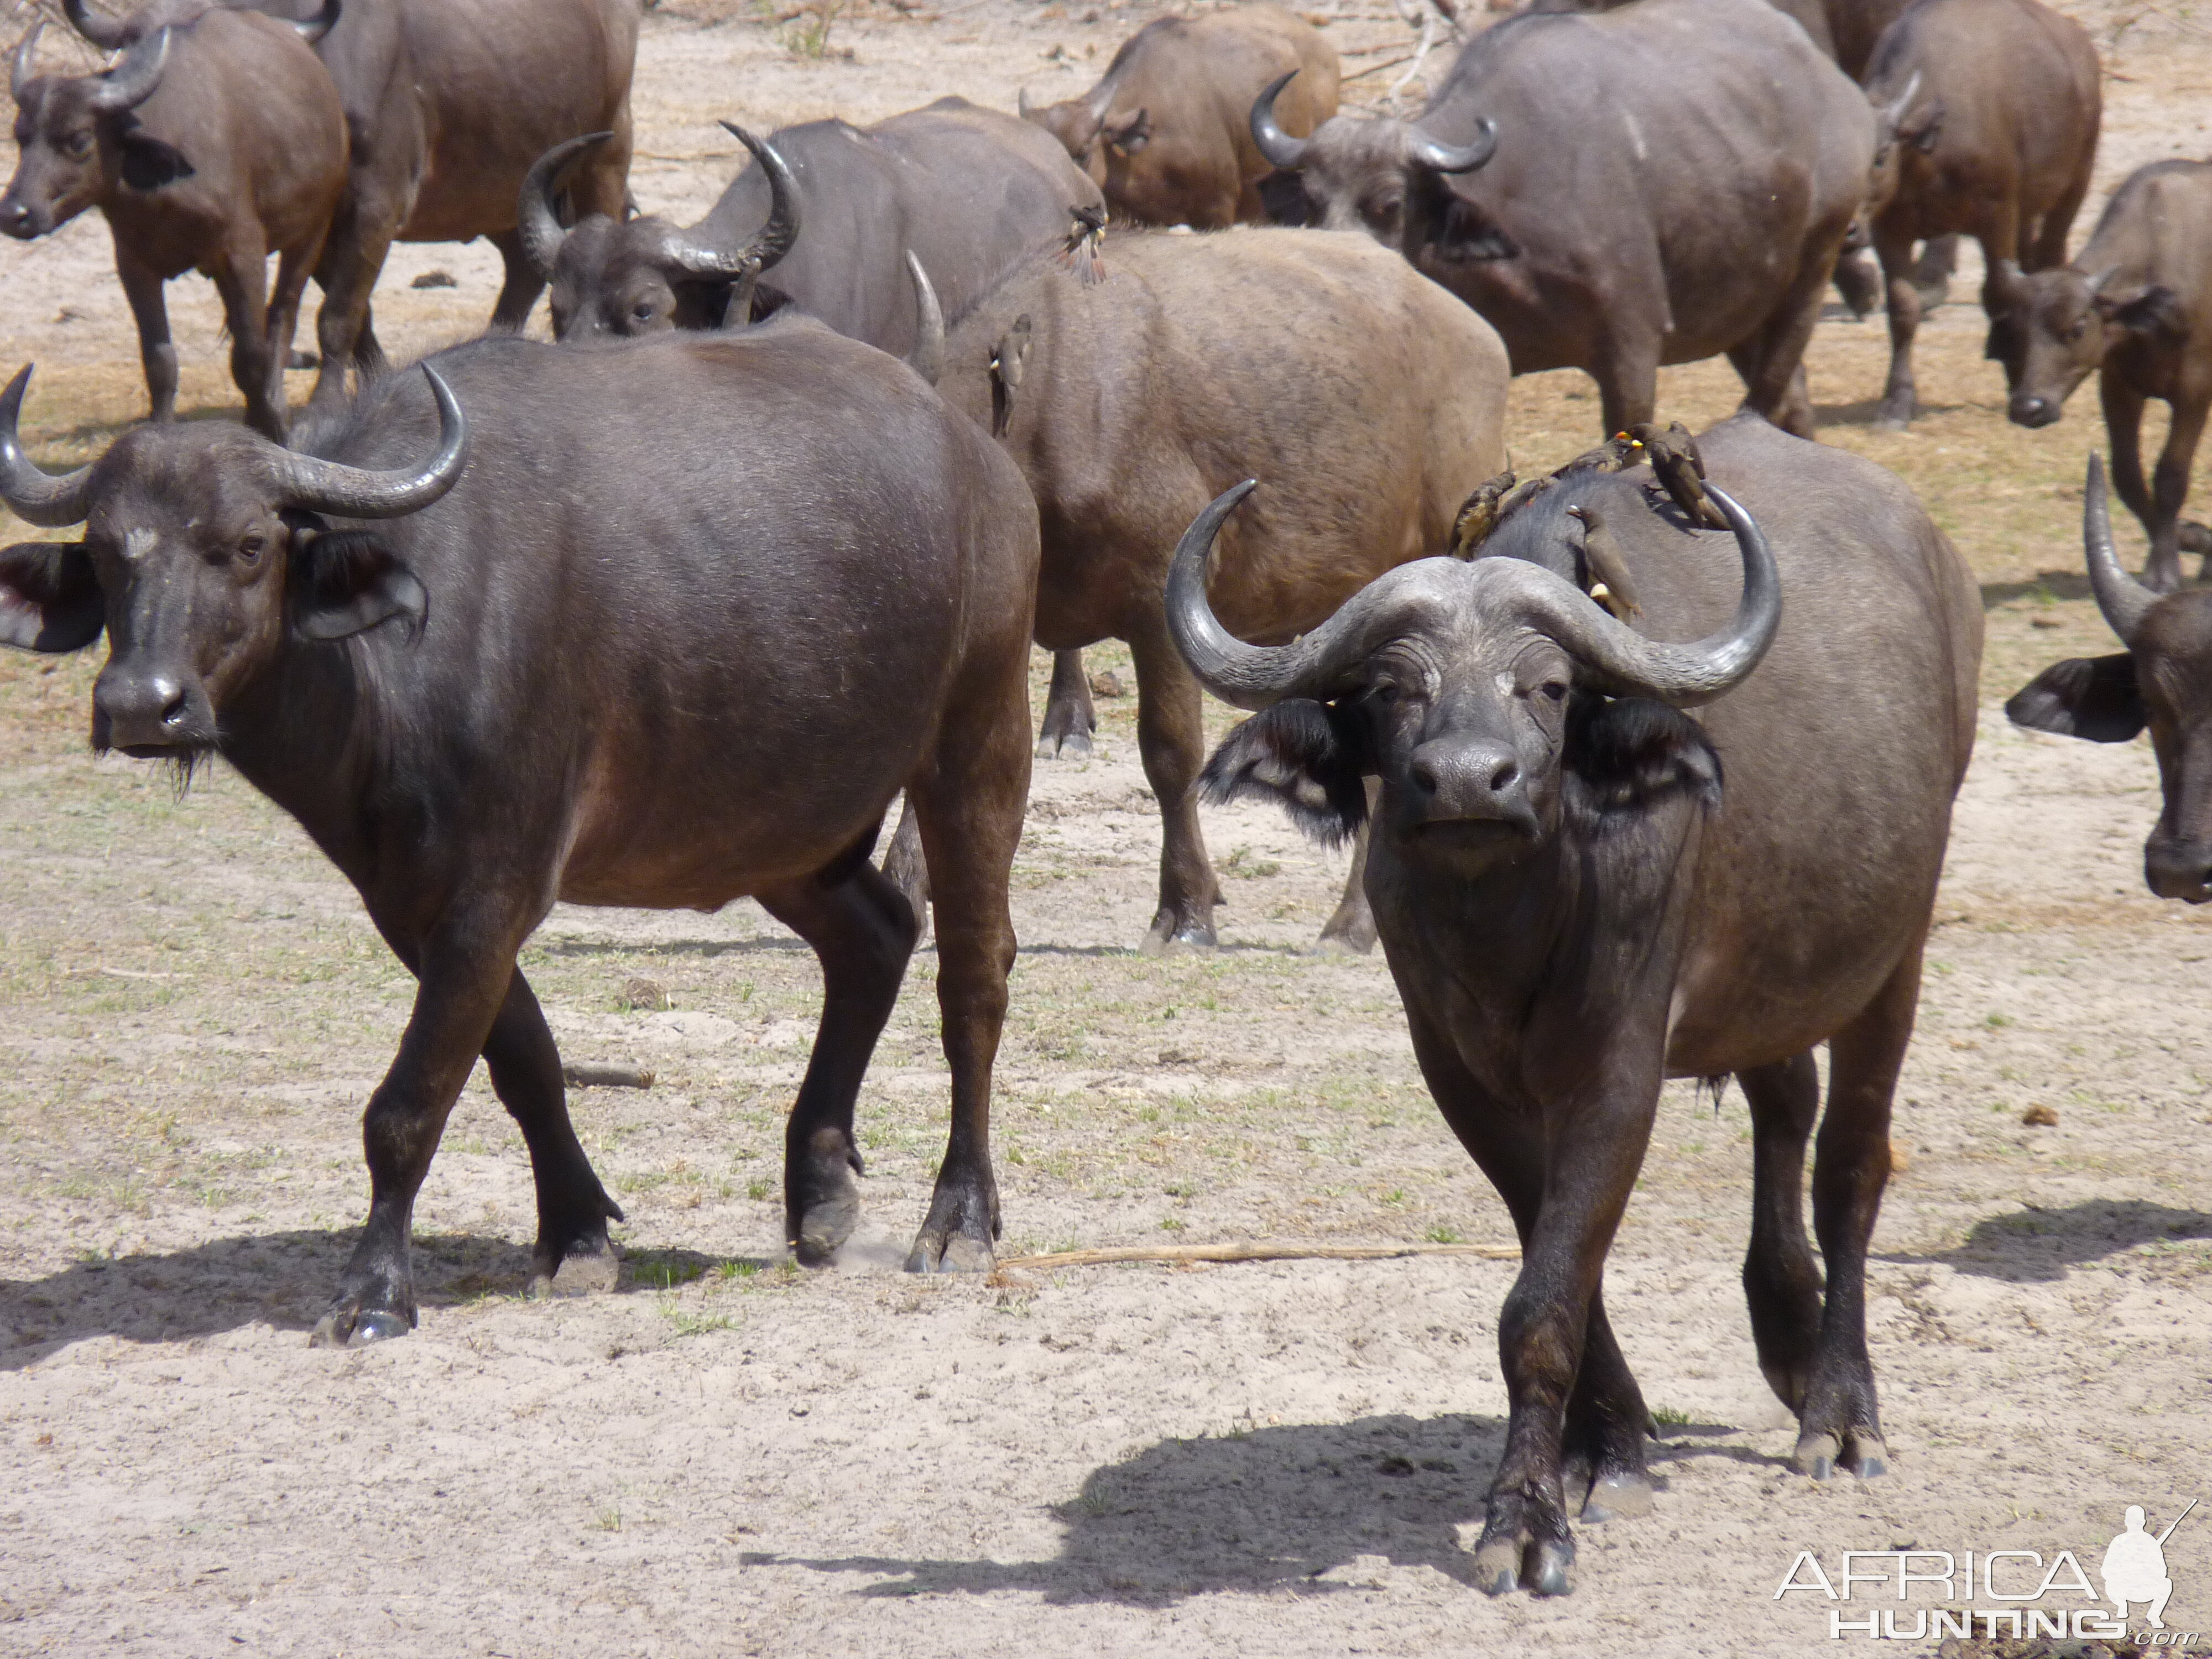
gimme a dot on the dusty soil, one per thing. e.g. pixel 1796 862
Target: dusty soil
pixel 728 1456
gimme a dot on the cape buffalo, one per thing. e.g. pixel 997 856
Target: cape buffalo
pixel 1165 130
pixel 448 102
pixel 965 189
pixel 1708 201
pixel 1127 401
pixel 663 623
pixel 1989 117
pixel 213 141
pixel 2158 681
pixel 1575 905
pixel 2136 304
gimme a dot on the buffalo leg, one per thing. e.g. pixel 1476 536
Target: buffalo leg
pixel 141 287
pixel 353 257
pixel 1576 1408
pixel 241 278
pixel 1069 719
pixel 1899 397
pixel 1627 384
pixel 1781 1280
pixel 464 970
pixel 2169 490
pixel 292 269
pixel 522 286
pixel 2123 413
pixel 1841 1422
pixel 969 800
pixel 1170 738
pixel 1352 926
pixel 862 931
pixel 1931 272
pixel 573 1252
pixel 907 870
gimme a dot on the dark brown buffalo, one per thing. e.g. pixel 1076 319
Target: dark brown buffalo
pixel 1375 398
pixel 1989 113
pixel 1652 216
pixel 213 141
pixel 2136 304
pixel 1167 130
pixel 448 102
pixel 1577 905
pixel 662 623
pixel 2163 680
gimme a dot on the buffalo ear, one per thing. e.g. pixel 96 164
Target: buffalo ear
pixel 345 582
pixel 2155 311
pixel 2092 697
pixel 1628 753
pixel 1133 134
pixel 149 164
pixel 1465 233
pixel 1310 758
pixel 49 599
pixel 1283 194
pixel 1922 137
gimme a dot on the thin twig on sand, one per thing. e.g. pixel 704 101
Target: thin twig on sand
pixel 1176 1252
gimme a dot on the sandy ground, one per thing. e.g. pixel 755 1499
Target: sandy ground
pixel 727 1456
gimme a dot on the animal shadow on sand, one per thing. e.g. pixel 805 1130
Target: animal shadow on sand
pixel 1307 1508
pixel 280 1280
pixel 2037 1245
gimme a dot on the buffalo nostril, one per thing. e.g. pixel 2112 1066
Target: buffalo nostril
pixel 172 708
pixel 1507 775
pixel 1424 777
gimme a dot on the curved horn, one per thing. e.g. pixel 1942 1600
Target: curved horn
pixel 535 217
pixel 361 493
pixel 1278 147
pixel 2122 598
pixel 20 66
pixel 1455 158
pixel 772 242
pixel 1253 676
pixel 927 358
pixel 133 80
pixel 312 29
pixel 98 30
pixel 1022 106
pixel 1895 111
pixel 36 496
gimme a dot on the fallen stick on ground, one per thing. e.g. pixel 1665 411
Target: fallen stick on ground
pixel 1258 1253
pixel 606 1076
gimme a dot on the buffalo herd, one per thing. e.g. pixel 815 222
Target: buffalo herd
pixel 1650 761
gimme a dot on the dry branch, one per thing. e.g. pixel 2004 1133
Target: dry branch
pixel 1174 1253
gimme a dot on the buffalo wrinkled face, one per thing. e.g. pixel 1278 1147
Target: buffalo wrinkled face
pixel 1350 175
pixel 1077 128
pixel 61 166
pixel 609 282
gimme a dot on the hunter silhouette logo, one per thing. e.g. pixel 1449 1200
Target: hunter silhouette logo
pixel 2134 1566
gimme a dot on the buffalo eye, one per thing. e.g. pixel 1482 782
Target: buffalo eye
pixel 642 312
pixel 1386 693
pixel 78 146
pixel 1555 690
pixel 251 546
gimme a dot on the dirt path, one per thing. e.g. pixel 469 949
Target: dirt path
pixel 730 1457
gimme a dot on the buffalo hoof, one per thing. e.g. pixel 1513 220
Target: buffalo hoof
pixel 1355 937
pixel 581 1272
pixel 825 1199
pixel 2194 538
pixel 1887 422
pixel 1505 1565
pixel 958 1235
pixel 1617 1497
pixel 1859 1450
pixel 1073 744
pixel 345 1324
pixel 1171 934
